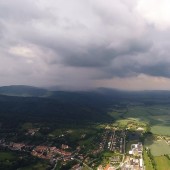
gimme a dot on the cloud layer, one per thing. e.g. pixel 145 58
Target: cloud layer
pixel 83 44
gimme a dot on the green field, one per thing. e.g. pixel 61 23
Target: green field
pixel 161 130
pixel 147 161
pixel 6 156
pixel 154 114
pixel 158 148
pixel 38 166
pixel 157 116
pixel 162 163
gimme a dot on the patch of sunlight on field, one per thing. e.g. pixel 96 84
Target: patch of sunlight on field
pixel 158 148
pixel 162 163
pixel 160 130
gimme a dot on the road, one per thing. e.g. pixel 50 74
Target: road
pixel 54 166
pixel 82 163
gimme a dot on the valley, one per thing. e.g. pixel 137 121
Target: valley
pixel 85 130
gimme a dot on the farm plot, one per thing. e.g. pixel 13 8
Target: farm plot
pixel 162 163
pixel 158 148
pixel 161 130
pixel 158 117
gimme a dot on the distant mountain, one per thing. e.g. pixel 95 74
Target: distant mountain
pixel 93 97
pixel 24 91
pixel 124 93
pixel 26 103
pixel 59 110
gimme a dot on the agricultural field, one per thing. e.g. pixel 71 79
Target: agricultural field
pixel 9 160
pixel 157 116
pixel 158 148
pixel 162 163
pixel 161 130
pixel 132 123
pixel 147 161
pixel 154 114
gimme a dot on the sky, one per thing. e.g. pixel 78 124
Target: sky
pixel 84 44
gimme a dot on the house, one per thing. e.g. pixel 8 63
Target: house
pixel 64 146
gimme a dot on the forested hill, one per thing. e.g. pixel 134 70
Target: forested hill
pixel 99 94
pixel 21 90
pixel 40 105
pixel 35 109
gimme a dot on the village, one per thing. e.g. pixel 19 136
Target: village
pixel 109 153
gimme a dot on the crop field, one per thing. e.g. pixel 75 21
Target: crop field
pixel 147 161
pixel 162 163
pixel 158 148
pixel 161 130
pixel 157 116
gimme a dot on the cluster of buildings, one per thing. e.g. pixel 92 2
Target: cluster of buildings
pixel 135 159
pixel 15 146
pixel 102 143
pixel 132 162
pixel 46 152
pixel 111 140
pixel 32 131
pixel 136 149
pixel 116 142
pixel 104 140
pixel 108 167
pixel 76 167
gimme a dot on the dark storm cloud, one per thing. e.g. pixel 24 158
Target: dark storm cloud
pixel 102 56
pixel 53 42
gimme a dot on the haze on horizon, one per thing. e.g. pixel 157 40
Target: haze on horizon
pixel 83 44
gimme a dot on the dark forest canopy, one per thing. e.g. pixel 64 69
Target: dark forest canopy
pixel 66 107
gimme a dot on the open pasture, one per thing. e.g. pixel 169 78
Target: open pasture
pixel 157 116
pixel 162 163
pixel 158 148
pixel 161 130
pixel 153 114
pixel 147 161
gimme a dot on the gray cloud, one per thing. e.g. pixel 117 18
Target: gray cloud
pixel 56 42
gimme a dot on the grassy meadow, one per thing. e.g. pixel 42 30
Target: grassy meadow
pixel 158 148
pixel 161 130
pixel 162 163
pixel 154 114
pixel 147 161
pixel 158 117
